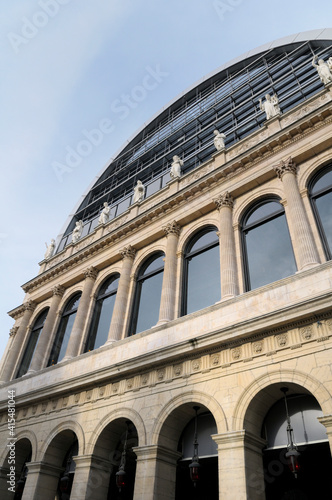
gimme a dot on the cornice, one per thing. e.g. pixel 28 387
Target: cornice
pixel 259 146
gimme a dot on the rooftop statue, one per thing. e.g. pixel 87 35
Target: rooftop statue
pixel 323 69
pixel 176 167
pixel 104 214
pixel 219 140
pixel 270 106
pixel 139 191
pixel 49 249
pixel 77 231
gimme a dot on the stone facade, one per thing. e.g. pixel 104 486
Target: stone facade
pixel 230 358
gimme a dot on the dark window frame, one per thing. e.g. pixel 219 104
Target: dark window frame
pixel 188 255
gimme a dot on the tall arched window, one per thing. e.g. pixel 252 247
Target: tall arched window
pixel 321 200
pixel 201 271
pixel 64 330
pixel 32 343
pixel 148 294
pixel 102 313
pixel 268 252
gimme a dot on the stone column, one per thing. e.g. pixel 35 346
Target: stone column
pixel 119 312
pixel 80 319
pixel 45 340
pixel 228 269
pixel 91 479
pixel 42 481
pixel 305 251
pixel 326 420
pixel 168 291
pixel 155 473
pixel 240 463
pixel 17 342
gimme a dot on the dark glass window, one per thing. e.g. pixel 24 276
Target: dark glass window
pixel 321 200
pixel 64 330
pixel 148 294
pixel 201 271
pixel 32 343
pixel 268 252
pixel 102 313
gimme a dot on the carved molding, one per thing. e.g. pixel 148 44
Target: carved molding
pixel 172 228
pixel 13 331
pixel 224 200
pixel 58 290
pixel 91 272
pixel 30 306
pixel 285 167
pixel 128 252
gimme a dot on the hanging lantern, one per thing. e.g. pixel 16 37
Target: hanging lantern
pixel 194 466
pixel 292 454
pixel 120 476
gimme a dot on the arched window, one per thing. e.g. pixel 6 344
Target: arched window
pixel 148 294
pixel 32 343
pixel 64 330
pixel 268 252
pixel 320 189
pixel 102 313
pixel 201 271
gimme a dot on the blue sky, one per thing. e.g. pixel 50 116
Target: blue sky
pixel 67 67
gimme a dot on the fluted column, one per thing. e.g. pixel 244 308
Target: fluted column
pixel 46 337
pixel 167 301
pixel 228 269
pixel 79 322
pixel 306 254
pixel 17 342
pixel 121 300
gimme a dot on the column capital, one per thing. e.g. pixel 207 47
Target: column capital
pixel 58 290
pixel 224 200
pixel 284 167
pixel 91 272
pixel 172 228
pixel 29 305
pixel 129 252
pixel 13 331
pixel 326 420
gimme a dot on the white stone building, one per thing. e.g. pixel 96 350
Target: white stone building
pixel 205 297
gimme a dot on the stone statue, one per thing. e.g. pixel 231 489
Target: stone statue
pixel 270 106
pixel 176 167
pixel 104 214
pixel 139 191
pixel 49 249
pixel 323 69
pixel 219 140
pixel 77 231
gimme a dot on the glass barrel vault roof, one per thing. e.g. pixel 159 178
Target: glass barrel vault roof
pixel 227 100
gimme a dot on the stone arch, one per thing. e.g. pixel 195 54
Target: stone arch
pixel 39 309
pixel 69 293
pixel 63 427
pixel 120 413
pixel 180 407
pixel 142 257
pixel 241 207
pixel 312 167
pixel 257 398
pixel 103 276
pixel 190 231
pixel 25 439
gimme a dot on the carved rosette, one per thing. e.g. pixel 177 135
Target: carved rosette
pixel 215 360
pixel 172 228
pixel 257 347
pixel 196 365
pixel 282 339
pixel 306 332
pixel 91 272
pixel 177 370
pixel 128 252
pixel 285 167
pixel 161 374
pixel 236 353
pixel 224 200
pixel 58 290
